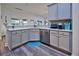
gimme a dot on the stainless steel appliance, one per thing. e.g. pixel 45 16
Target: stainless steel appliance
pixel 45 36
pixel 54 26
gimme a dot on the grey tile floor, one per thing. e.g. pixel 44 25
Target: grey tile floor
pixel 41 50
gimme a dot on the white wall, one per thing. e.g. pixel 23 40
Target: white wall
pixel 75 14
pixel 0 21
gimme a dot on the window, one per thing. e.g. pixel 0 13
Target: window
pixel 31 22
pixel 14 22
pixel 24 21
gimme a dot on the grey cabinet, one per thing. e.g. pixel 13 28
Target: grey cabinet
pixel 34 34
pixel 65 41
pixel 61 39
pixel 8 37
pixel 60 11
pixel 45 36
pixel 54 38
pixel 52 12
pixel 64 11
pixel 16 38
pixel 25 36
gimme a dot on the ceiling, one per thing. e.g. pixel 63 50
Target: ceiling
pixel 31 8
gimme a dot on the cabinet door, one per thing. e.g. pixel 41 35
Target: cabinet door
pixel 25 35
pixel 8 38
pixel 34 35
pixel 16 38
pixel 64 11
pixel 52 12
pixel 54 39
pixel 64 42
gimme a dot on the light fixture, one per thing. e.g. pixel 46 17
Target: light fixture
pixel 19 9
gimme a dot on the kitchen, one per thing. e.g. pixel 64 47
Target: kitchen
pixel 42 26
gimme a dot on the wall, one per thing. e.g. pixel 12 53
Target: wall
pixel 0 21
pixel 75 41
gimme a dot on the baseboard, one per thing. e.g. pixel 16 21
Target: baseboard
pixel 59 49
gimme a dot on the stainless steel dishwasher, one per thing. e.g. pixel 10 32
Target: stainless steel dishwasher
pixel 45 36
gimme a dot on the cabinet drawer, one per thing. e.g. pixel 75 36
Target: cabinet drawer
pixel 64 36
pixel 64 33
pixel 56 35
pixel 54 32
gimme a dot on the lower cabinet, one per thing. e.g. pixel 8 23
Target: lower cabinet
pixel 61 39
pixel 19 37
pixel 25 36
pixel 8 38
pixel 54 38
pixel 65 41
pixel 34 34
pixel 15 38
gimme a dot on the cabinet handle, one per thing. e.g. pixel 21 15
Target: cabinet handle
pixel 63 36
pixel 57 36
pixel 54 34
pixel 23 31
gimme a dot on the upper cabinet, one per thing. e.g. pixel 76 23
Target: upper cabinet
pixel 64 11
pixel 59 11
pixel 52 11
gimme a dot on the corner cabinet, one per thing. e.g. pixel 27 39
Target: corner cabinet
pixel 64 11
pixel 34 35
pixel 52 12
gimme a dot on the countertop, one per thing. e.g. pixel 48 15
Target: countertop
pixel 12 29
